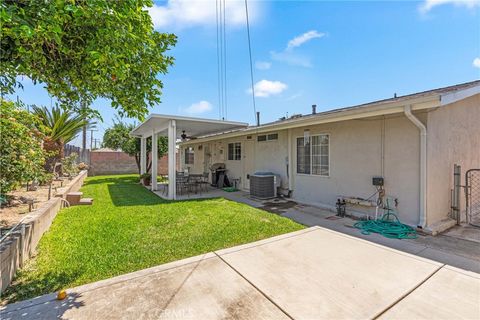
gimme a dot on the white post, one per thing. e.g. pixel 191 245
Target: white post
pixel 290 159
pixel 172 141
pixel 143 155
pixel 154 160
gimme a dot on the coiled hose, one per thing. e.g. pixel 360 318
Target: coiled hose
pixel 388 226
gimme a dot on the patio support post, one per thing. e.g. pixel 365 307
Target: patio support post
pixel 172 141
pixel 154 160
pixel 143 155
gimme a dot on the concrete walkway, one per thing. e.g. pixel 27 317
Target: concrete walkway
pixel 314 273
pixel 452 248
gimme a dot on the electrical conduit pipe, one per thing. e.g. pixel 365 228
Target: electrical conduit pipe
pixel 423 164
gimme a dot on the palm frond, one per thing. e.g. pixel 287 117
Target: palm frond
pixel 63 125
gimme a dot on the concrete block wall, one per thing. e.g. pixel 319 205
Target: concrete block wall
pixel 117 162
pixel 20 245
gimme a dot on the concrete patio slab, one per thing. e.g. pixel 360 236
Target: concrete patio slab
pixel 450 293
pixel 203 287
pixel 313 273
pixel 326 275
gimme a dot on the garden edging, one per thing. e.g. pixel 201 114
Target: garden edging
pixel 21 244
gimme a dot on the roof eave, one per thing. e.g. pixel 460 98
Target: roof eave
pixel 364 111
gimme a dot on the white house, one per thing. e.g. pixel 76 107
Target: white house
pixel 411 141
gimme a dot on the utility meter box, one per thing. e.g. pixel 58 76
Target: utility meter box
pixel 377 181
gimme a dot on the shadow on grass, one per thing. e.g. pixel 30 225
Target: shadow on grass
pixel 127 191
pixel 127 179
pixel 132 195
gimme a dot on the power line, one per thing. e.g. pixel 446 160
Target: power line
pixel 220 11
pixel 225 106
pixel 251 64
pixel 218 64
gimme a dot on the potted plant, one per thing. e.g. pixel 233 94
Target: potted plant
pixel 146 178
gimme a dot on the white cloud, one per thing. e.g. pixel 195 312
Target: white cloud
pixel 291 58
pixel 263 65
pixel 199 107
pixel 301 39
pixel 194 13
pixel 267 88
pixel 428 5
pixel 476 62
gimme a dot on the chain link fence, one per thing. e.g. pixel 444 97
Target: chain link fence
pixel 472 196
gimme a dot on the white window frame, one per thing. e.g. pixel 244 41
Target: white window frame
pixel 266 137
pixel 191 149
pixel 311 158
pixel 234 154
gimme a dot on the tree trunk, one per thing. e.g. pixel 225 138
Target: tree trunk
pixel 55 152
pixel 84 137
pixel 149 163
pixel 137 160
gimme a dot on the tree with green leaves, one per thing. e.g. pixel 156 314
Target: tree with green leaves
pixel 118 138
pixel 59 128
pixel 85 49
pixel 21 154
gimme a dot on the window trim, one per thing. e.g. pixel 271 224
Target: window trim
pixel 329 156
pixel 266 137
pixel 234 153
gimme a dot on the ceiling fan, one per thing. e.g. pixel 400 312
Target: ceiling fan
pixel 184 136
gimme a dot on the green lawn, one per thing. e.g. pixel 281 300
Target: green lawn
pixel 129 228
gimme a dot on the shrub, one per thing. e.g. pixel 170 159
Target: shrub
pixel 146 178
pixel 21 154
pixel 82 166
pixel 69 165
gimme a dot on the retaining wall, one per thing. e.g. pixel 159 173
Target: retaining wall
pixel 20 245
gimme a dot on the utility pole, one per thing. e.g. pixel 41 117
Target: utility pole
pixel 96 142
pixel 84 130
pixel 91 138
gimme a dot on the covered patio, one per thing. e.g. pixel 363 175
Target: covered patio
pixel 176 128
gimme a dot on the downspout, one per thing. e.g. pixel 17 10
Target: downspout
pixel 423 164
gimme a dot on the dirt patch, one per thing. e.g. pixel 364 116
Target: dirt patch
pixel 278 206
pixel 11 215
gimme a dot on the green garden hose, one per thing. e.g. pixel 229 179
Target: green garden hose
pixel 388 226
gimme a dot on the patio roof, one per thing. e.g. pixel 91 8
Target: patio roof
pixel 193 127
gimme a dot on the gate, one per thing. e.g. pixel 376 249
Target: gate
pixel 472 196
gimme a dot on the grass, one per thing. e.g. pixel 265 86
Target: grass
pixel 129 228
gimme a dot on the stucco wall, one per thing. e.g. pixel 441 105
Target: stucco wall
pixel 264 156
pixel 356 157
pixel 453 138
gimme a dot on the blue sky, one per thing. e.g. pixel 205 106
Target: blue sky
pixel 333 54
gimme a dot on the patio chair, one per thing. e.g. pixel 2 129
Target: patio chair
pixel 195 182
pixel 182 184
pixel 204 181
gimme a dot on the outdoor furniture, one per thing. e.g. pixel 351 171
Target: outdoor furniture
pixel 182 184
pixel 195 181
pixel 204 181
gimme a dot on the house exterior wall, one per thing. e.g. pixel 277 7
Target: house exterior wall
pixel 266 156
pixel 356 157
pixel 356 152
pixel 453 138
